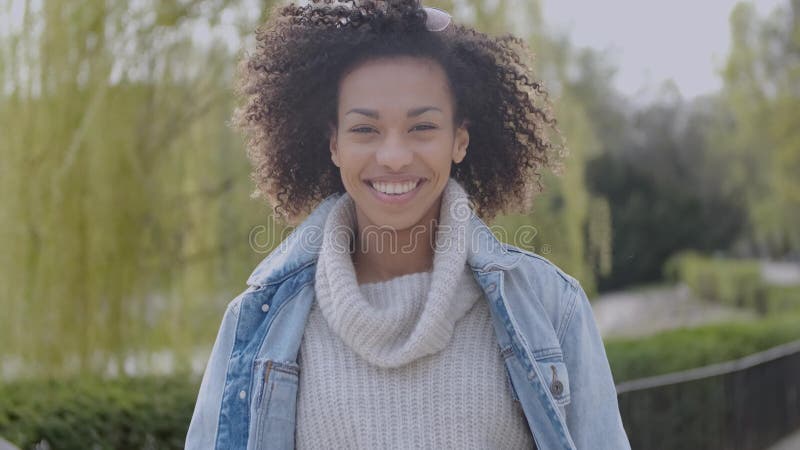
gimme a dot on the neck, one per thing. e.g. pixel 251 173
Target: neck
pixel 382 254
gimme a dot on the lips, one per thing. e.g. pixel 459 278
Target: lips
pixel 378 185
pixel 395 188
pixel 394 179
pixel 394 184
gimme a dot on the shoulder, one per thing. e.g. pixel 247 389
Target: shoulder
pixel 234 307
pixel 541 271
pixel 540 280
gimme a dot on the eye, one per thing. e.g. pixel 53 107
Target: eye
pixel 362 130
pixel 423 127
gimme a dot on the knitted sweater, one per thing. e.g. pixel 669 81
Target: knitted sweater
pixel 410 362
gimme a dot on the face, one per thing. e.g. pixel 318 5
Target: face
pixel 396 139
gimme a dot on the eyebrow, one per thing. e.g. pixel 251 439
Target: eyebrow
pixel 414 112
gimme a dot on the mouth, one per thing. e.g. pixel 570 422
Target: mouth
pixel 395 192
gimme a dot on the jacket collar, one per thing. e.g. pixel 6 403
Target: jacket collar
pixel 301 248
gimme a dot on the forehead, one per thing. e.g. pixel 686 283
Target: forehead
pixel 395 83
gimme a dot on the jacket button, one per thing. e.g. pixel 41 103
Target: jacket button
pixel 491 287
pixel 242 395
pixel 265 307
pixel 557 388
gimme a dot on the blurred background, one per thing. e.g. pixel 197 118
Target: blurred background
pixel 126 222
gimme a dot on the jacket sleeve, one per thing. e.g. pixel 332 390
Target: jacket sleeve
pixel 202 432
pixel 593 417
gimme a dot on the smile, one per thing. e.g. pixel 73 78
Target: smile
pixel 395 192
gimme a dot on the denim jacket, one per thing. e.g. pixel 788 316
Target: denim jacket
pixel 554 356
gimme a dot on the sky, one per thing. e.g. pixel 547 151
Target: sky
pixel 653 40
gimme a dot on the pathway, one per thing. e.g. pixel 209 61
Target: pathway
pixel 791 442
pixel 5 445
pixel 648 310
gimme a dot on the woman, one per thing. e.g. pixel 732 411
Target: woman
pixel 391 316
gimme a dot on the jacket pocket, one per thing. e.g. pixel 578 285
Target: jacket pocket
pixel 556 380
pixel 274 405
pixel 554 373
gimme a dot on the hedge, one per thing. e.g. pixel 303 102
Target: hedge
pixel 91 413
pixel 732 282
pixel 154 412
pixel 747 409
pixel 686 348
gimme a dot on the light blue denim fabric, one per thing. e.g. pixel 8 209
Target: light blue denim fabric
pixel 544 325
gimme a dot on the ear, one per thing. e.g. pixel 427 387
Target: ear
pixel 461 142
pixel 333 145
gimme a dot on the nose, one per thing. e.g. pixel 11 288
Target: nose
pixel 394 154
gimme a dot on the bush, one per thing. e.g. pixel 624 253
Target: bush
pixel 730 282
pixel 154 412
pixel 709 412
pixel 88 413
pixel 687 348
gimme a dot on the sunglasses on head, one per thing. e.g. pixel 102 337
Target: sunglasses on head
pixel 437 19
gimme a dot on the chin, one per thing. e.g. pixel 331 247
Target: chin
pixel 395 223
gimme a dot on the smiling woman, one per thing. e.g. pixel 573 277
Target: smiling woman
pixel 291 100
pixel 394 144
pixel 392 316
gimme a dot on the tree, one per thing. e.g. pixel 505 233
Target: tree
pixel 759 137
pixel 118 185
pixel 664 187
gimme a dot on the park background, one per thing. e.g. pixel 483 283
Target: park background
pixel 127 224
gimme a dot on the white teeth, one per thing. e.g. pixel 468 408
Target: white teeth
pixel 394 188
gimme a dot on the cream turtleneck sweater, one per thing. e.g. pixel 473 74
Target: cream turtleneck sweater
pixel 410 362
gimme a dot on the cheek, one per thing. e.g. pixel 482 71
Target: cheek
pixel 437 153
pixel 353 158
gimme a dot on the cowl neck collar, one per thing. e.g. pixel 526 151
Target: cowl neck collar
pixel 394 322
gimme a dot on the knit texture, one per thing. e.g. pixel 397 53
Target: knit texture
pixel 394 335
pixel 410 362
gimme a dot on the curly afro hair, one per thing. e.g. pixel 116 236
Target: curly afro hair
pixel 288 89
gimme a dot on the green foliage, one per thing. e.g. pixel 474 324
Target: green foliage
pixel 125 413
pixel 731 282
pixel 780 299
pixel 687 348
pixel 758 135
pixel 706 412
pixel 663 187
pixel 154 412
pixel 125 219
